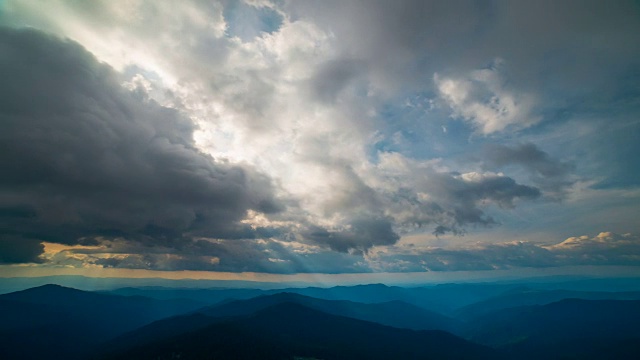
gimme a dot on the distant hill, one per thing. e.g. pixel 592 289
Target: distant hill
pixel 208 296
pixel 571 328
pixel 393 313
pixel 52 319
pixel 290 330
pixel 527 297
pixel 11 284
pixel 444 298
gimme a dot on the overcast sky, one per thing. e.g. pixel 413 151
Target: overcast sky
pixel 318 136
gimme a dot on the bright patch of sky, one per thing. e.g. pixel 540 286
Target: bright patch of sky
pixel 247 20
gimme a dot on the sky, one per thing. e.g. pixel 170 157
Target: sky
pixel 266 138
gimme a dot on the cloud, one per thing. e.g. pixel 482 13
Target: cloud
pixel 86 157
pixel 332 77
pixel 359 234
pixel 421 194
pixel 15 249
pixel 606 248
pixel 474 187
pixel 244 255
pixel 371 206
pixel 398 41
pixel 488 257
pixel 304 122
pixel 285 257
pixel 551 175
pixel 483 100
pixel 247 20
pixel 405 41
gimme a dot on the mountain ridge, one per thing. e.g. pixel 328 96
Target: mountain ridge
pixel 289 329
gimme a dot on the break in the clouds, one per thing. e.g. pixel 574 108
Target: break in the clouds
pixel 311 136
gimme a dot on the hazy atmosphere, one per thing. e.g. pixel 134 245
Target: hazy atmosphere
pixel 262 139
pixel 319 180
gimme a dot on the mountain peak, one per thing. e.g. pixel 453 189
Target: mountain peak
pixel 52 286
pixel 47 288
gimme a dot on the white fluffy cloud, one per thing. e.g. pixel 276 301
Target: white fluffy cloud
pixel 483 99
pixel 603 241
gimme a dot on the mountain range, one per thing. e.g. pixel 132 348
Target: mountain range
pixel 500 321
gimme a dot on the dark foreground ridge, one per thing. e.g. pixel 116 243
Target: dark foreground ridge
pixel 65 323
pixel 290 330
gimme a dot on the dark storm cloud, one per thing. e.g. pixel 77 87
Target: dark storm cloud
pixel 392 35
pixel 458 201
pixel 529 156
pixel 244 255
pixel 16 250
pixel 502 190
pixel 81 156
pixel 332 77
pixel 548 173
pixel 360 235
pixel 402 41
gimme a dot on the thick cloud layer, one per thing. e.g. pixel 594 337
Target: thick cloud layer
pixel 16 250
pixel 405 40
pixel 551 175
pixel 606 248
pixel 286 257
pixel 213 255
pixel 309 136
pixel 84 157
pixel 418 194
